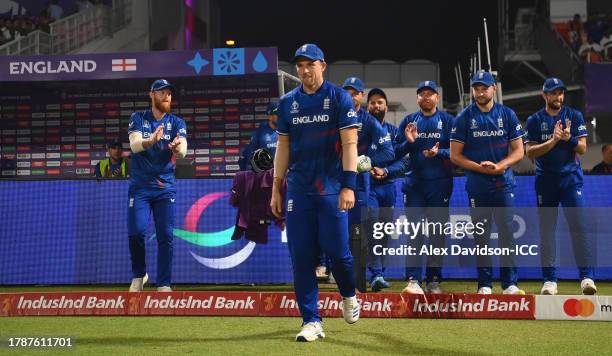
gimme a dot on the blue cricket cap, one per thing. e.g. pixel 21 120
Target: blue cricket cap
pixel 353 82
pixel 160 84
pixel 272 108
pixel 310 51
pixel 377 91
pixel 551 84
pixel 114 143
pixel 484 78
pixel 427 84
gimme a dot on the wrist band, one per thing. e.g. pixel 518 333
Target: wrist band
pixel 573 142
pixel 349 180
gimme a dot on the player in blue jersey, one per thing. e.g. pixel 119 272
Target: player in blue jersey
pixel 382 187
pixel 429 183
pixel 317 142
pixel 486 140
pixel 373 147
pixel 264 137
pixel 555 136
pixel 157 138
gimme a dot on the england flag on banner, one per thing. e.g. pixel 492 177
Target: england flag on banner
pixel 124 65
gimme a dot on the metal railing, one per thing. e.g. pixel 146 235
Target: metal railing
pixel 36 42
pixel 77 30
pixel 73 32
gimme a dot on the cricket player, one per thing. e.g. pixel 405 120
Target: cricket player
pixel 486 140
pixel 556 135
pixel 264 137
pixel 157 138
pixel 382 189
pixel 317 142
pixel 425 135
pixel 374 149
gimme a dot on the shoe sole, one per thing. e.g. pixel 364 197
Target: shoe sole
pixel 547 292
pixel 301 338
pixel 353 321
pixel 589 291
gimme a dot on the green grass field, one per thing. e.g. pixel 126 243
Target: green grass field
pixel 274 336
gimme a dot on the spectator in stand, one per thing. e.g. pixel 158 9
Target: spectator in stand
pixel 43 24
pixel 83 5
pixel 55 10
pixel 590 51
pixel 595 27
pixel 6 31
pixel 576 24
pixel 573 36
pixel 605 166
pixel 606 44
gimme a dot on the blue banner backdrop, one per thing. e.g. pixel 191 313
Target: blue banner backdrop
pixel 75 232
pixel 598 88
pixel 205 62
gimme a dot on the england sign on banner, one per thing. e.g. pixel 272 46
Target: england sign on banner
pixel 123 65
pixel 205 62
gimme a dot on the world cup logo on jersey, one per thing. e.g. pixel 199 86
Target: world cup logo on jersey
pixel 474 124
pixel 295 107
pixel 544 126
pixel 500 122
pixel 439 125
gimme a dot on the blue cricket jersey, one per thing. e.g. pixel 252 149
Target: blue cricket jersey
pixel 486 137
pixel 398 165
pixel 154 167
pixel 431 130
pixel 313 123
pixel 562 159
pixel 264 137
pixel 373 141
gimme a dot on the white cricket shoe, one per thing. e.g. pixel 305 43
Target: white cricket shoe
pixel 310 332
pixel 549 288
pixel 485 290
pixel 164 289
pixel 413 287
pixel 138 283
pixel 513 290
pixel 434 288
pixel 351 309
pixel 588 286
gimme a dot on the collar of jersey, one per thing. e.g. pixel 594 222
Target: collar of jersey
pixel 562 111
pixel 325 84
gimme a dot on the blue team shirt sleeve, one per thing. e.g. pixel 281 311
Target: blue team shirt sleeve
pixel 533 130
pixel 135 124
pixel 444 149
pixel 578 128
pixel 459 131
pixel 398 168
pixel 181 128
pixel 381 150
pixel 515 130
pixel 347 117
pixel 283 120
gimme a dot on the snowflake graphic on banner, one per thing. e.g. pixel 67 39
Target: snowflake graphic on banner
pixel 228 61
